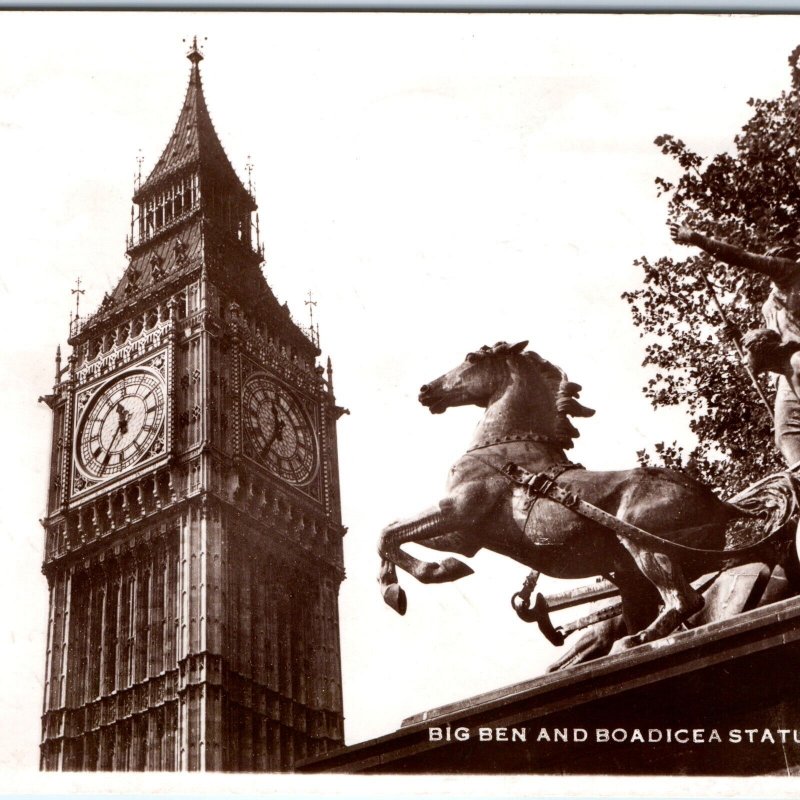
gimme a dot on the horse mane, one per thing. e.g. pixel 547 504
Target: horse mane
pixel 565 392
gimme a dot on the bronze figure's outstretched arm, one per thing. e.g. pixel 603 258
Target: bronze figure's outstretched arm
pixel 779 270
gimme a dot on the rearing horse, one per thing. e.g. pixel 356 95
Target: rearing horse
pixel 528 401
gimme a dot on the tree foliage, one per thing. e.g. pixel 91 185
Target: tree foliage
pixel 749 197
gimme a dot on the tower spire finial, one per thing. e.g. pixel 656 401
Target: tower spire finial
pixel 311 302
pixel 194 55
pixel 248 168
pixel 313 331
pixel 77 291
pixel 139 162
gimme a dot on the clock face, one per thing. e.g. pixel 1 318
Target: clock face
pixel 121 424
pixel 280 435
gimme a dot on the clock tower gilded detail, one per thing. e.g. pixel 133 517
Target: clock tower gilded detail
pixel 193 536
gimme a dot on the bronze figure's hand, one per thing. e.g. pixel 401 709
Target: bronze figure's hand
pixel 681 234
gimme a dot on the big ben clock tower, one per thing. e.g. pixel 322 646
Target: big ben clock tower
pixel 193 537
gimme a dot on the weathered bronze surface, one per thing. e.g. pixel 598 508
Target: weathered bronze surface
pixel 528 401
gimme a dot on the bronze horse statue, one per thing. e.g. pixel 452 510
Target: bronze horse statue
pixel 528 401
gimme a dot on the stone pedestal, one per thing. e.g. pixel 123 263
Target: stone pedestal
pixel 722 699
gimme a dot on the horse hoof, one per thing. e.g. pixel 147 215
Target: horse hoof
pixel 455 569
pixel 395 598
pixel 624 644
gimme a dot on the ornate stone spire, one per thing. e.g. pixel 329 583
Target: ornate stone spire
pixel 194 143
pixel 194 55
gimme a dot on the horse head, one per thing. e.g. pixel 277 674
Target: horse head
pixel 473 382
pixel 537 395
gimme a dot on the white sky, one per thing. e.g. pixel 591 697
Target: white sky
pixel 440 182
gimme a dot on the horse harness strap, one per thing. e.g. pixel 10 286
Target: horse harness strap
pixel 543 485
pixel 546 479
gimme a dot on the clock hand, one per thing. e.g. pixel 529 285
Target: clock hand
pixel 275 437
pixel 111 447
pixel 277 431
pixel 123 415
